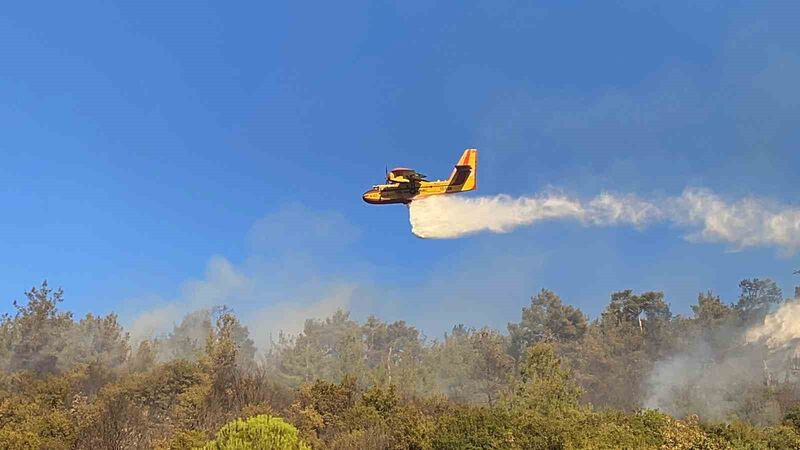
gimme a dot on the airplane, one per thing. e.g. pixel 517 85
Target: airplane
pixel 405 185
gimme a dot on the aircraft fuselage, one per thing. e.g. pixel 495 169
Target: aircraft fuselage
pixel 386 194
pixel 406 185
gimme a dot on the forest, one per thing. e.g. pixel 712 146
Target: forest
pixel 638 376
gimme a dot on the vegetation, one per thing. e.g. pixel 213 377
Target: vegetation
pixel 259 432
pixel 638 376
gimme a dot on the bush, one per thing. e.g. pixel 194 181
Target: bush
pixel 473 427
pixel 257 433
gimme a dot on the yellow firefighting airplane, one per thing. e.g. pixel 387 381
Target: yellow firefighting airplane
pixel 405 185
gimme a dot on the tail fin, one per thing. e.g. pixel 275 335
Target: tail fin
pixel 464 176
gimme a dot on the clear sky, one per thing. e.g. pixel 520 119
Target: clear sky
pixel 160 156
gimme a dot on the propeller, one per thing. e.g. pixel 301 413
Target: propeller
pixel 386 173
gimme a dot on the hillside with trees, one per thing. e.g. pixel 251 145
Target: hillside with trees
pixel 638 376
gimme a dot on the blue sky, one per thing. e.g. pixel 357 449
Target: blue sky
pixel 156 157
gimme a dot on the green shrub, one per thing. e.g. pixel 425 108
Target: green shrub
pixel 473 428
pixel 257 433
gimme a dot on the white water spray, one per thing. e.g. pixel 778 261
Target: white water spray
pixel 744 223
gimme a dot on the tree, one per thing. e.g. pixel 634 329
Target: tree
pixel 257 433
pixel 756 297
pixel 710 311
pixel 544 384
pixel 543 406
pixel 626 307
pixel 145 356
pixel 231 383
pixel 319 407
pixel 492 365
pixel 546 319
pixel 713 322
pixel 326 349
pixel 620 347
pixel 221 354
pixel 393 353
pixel 34 338
pixel 98 339
pixel 792 417
pixel 45 340
pixel 643 320
pixel 472 365
pixel 187 339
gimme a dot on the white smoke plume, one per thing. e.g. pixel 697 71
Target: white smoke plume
pixel 713 383
pixel 285 278
pixel 744 223
pixel 698 382
pixel 781 328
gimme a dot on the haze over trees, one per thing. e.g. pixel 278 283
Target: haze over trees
pixel 637 376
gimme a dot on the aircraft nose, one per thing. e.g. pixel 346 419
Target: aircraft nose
pixel 371 196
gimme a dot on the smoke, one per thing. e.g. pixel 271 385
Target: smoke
pixel 696 382
pixel 265 302
pixel 152 322
pixel 719 383
pixel 291 272
pixel 780 329
pixel 745 223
